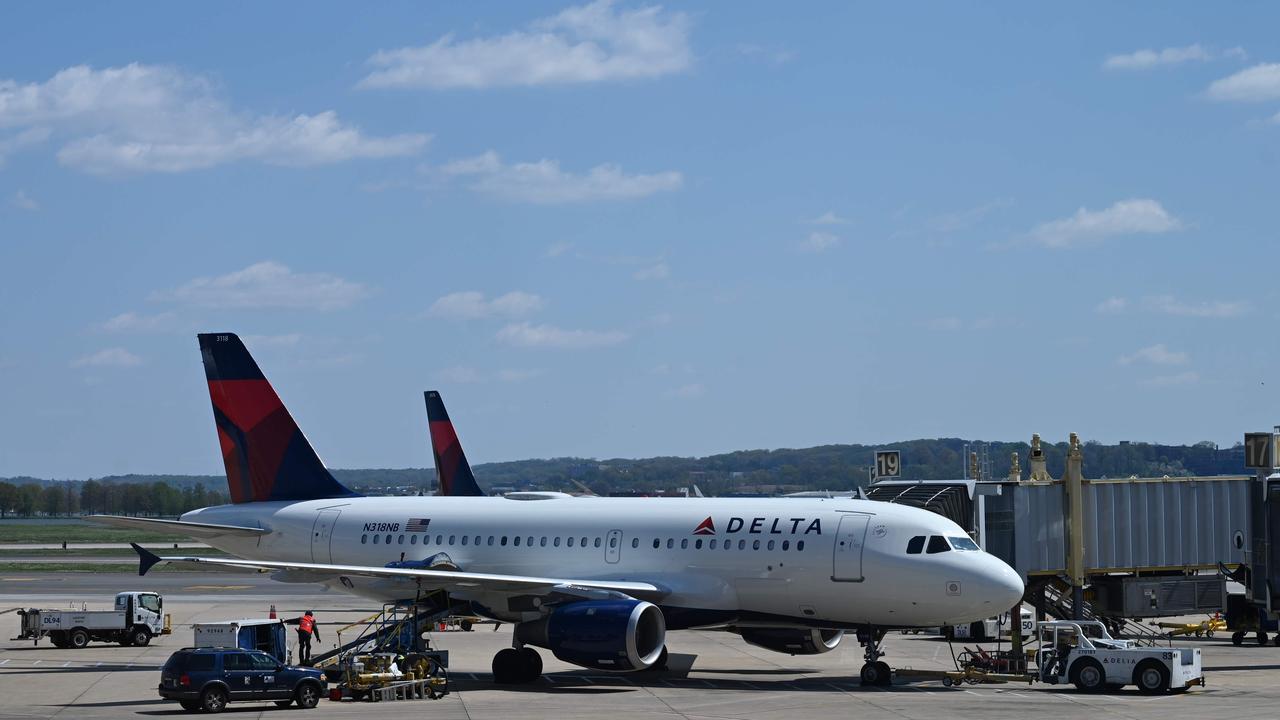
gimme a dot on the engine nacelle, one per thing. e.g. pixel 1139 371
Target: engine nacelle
pixel 619 635
pixel 793 641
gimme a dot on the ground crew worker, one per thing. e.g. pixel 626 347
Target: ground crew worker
pixel 307 627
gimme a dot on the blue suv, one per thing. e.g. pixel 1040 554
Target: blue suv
pixel 209 678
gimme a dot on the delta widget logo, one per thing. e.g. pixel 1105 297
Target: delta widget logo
pixel 706 527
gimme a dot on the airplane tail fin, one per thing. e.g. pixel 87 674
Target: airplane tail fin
pixel 266 455
pixel 452 469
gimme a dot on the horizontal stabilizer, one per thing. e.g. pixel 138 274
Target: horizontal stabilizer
pixel 199 531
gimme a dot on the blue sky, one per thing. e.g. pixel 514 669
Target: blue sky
pixel 630 230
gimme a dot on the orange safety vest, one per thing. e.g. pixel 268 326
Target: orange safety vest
pixel 306 624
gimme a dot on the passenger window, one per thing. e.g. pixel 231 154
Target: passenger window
pixel 388 540
pixel 413 539
pixel 400 540
pixel 569 542
pixel 491 540
pixel 529 542
pixel 613 542
pixel 755 544
pixel 440 540
pixel 556 542
pixel 656 543
pixel 235 661
pixel 516 541
pixel 597 542
pixel 364 539
pixel 915 545
pixel 635 543
pixel 477 539
pixel 584 542
pixel 503 541
pixel 262 661
pixel 464 539
pixel 786 544
pixel 377 539
pixel 670 543
pixel 770 544
pixel 451 539
pixel 742 544
pixel 697 544
pixel 799 545
pixel 543 542
pixel 937 544
pixel 684 544
pixel 713 544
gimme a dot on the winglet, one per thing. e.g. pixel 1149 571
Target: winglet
pixel 146 558
pixel 452 468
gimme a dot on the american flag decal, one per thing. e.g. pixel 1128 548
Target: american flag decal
pixel 417 525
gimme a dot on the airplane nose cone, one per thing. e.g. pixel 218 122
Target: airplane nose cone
pixel 1004 583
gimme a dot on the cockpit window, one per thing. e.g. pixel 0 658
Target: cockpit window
pixel 937 544
pixel 963 543
pixel 915 545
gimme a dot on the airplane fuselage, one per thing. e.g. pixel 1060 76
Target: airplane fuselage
pixel 831 563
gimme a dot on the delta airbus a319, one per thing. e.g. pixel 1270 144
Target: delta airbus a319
pixel 596 581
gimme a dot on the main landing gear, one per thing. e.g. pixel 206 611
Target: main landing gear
pixel 517 665
pixel 875 672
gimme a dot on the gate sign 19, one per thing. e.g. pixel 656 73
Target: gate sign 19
pixel 1258 450
pixel 888 463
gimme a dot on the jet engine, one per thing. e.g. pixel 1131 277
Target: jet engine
pixel 621 635
pixel 793 641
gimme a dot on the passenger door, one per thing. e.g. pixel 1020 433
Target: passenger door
pixel 851 537
pixel 242 678
pixel 322 534
pixel 274 684
pixel 613 546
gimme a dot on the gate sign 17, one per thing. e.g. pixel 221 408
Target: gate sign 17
pixel 888 463
pixel 1259 450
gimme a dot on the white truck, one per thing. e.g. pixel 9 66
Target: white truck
pixel 136 618
pixel 1083 653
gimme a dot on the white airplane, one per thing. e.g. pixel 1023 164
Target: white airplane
pixel 596 581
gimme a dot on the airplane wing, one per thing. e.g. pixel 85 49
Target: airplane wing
pixel 451 580
pixel 190 529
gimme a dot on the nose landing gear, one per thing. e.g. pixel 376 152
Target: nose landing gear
pixel 875 672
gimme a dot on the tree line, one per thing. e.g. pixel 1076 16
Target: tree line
pixel 828 467
pixel 69 498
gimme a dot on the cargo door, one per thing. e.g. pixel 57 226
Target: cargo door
pixel 613 547
pixel 322 535
pixel 851 537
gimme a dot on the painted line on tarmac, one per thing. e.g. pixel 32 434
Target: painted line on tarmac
pixel 219 587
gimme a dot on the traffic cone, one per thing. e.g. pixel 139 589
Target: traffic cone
pixel 273 611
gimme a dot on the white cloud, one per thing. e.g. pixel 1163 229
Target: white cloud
pixel 586 44
pixel 1258 83
pixel 459 374
pixel 1127 217
pixel 133 322
pixel 110 357
pixel 1236 53
pixel 148 118
pixel 1155 355
pixel 1183 378
pixel 692 390
pixel 1112 306
pixel 819 242
pixel 828 218
pixel 267 285
pixel 23 201
pixel 22 140
pixel 658 271
pixel 557 249
pixel 472 305
pixel 544 183
pixel 272 341
pixel 1169 305
pixel 1144 59
pixel 549 336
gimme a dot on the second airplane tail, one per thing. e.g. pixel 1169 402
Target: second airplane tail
pixel 265 453
pixel 452 468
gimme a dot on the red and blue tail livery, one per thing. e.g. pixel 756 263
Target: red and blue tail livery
pixel 452 468
pixel 266 455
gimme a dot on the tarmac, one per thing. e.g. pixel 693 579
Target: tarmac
pixel 713 674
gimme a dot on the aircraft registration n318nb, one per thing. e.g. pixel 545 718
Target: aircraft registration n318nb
pixel 597 581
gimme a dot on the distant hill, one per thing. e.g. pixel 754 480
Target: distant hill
pixel 825 467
